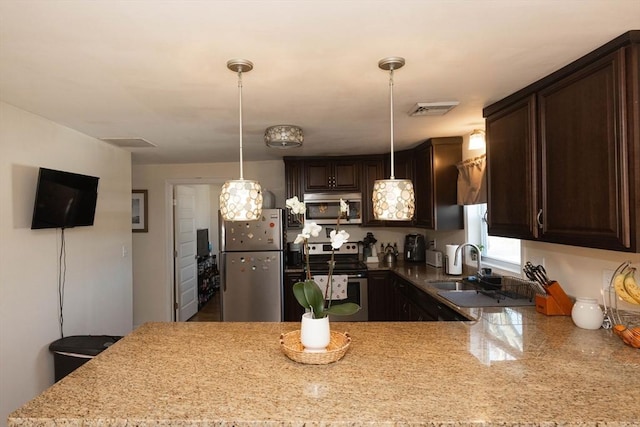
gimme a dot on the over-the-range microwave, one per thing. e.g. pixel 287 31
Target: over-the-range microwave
pixel 324 208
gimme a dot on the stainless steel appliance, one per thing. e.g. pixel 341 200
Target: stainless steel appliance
pixel 294 254
pixel 347 262
pixel 324 208
pixel 251 268
pixel 434 258
pixel 414 247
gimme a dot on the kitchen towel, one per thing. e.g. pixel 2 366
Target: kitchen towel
pixel 339 290
pixel 472 182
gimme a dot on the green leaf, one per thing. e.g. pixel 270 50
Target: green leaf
pixel 298 292
pixel 314 298
pixel 345 309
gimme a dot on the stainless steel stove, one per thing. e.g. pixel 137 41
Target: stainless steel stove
pixel 347 262
pixel 347 259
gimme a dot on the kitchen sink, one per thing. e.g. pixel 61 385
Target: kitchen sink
pixel 452 286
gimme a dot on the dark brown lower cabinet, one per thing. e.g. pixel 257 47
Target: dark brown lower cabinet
pixel 381 296
pixel 292 310
pixel 394 299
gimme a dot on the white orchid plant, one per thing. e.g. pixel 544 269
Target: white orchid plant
pixel 308 293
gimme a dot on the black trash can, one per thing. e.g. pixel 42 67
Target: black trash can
pixel 69 353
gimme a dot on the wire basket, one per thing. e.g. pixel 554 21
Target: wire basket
pixel 620 315
pixel 523 287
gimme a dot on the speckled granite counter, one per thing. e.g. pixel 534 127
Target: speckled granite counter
pixel 510 367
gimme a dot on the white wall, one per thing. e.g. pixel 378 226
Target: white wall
pixel 203 206
pixel 152 292
pixel 98 291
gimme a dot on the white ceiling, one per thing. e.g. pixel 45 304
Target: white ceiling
pixel 157 69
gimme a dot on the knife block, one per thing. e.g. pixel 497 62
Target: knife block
pixel 555 303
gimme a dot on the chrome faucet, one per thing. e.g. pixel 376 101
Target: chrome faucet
pixel 455 257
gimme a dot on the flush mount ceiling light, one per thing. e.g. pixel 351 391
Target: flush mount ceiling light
pixel 283 136
pixel 240 199
pixel 393 199
pixel 476 140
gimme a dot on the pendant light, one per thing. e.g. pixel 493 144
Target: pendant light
pixel 393 199
pixel 240 199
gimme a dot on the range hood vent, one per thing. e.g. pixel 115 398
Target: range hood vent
pixel 432 108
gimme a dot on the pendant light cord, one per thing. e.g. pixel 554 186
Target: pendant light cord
pixel 391 114
pixel 62 278
pixel 240 107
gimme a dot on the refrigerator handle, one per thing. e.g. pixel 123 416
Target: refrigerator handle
pixel 223 273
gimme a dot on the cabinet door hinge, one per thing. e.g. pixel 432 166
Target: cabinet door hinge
pixel 176 306
pixel 175 202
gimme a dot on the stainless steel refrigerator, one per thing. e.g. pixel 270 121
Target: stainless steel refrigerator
pixel 252 267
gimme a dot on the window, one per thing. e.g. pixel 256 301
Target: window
pixel 499 252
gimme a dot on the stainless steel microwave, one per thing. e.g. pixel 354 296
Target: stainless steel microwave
pixel 324 208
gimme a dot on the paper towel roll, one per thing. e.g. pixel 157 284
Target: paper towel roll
pixel 453 267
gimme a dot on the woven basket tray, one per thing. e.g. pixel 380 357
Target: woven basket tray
pixel 292 347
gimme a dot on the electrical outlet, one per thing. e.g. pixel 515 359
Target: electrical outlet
pixel 606 278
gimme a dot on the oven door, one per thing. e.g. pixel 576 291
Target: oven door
pixel 325 208
pixel 356 293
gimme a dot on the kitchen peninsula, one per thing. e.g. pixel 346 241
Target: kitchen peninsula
pixel 507 367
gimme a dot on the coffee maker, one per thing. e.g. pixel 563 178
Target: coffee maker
pixel 294 254
pixel 414 247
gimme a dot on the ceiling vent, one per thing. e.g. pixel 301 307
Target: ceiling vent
pixel 432 108
pixel 129 142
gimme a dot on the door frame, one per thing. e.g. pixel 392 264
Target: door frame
pixel 169 233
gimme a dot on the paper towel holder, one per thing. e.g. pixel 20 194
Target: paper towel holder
pixel 450 266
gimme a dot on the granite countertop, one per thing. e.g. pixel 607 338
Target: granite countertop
pixel 508 367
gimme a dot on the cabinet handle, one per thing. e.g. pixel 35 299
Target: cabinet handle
pixel 538 218
pixel 484 217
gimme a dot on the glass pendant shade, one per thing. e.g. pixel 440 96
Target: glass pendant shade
pixel 393 200
pixel 241 200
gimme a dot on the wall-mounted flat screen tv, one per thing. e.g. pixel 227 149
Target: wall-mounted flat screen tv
pixel 64 199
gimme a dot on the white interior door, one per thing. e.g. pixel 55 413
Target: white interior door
pixel 186 267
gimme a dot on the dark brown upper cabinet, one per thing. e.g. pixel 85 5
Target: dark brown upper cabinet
pixel 563 153
pixel 293 187
pixel 436 184
pixel 330 175
pixel 511 168
pixel 372 168
pixel 431 167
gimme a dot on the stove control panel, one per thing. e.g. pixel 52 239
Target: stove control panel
pixel 323 248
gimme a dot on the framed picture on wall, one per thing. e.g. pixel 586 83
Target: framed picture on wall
pixel 139 213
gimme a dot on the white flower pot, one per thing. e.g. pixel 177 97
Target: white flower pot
pixel 314 333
